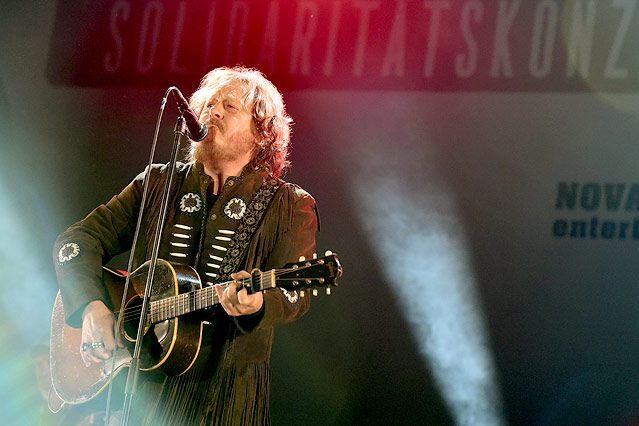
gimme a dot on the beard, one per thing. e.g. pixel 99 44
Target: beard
pixel 212 151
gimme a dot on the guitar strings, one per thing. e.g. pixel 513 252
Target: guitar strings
pixel 135 312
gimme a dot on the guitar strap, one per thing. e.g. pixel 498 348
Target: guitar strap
pixel 247 227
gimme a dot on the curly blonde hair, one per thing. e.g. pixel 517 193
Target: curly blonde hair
pixel 264 102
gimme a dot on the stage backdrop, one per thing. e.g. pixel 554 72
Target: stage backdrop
pixel 474 163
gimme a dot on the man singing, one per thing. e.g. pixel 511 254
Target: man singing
pixel 229 212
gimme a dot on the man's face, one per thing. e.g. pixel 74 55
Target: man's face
pixel 231 135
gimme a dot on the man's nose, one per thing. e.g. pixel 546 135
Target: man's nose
pixel 217 110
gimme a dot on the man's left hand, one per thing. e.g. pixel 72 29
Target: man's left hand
pixel 237 303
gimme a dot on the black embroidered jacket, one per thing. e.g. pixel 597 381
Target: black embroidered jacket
pixel 255 221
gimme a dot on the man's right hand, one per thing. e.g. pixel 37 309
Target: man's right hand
pixel 98 324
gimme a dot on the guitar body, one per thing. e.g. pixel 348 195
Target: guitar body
pixel 171 346
pixel 72 381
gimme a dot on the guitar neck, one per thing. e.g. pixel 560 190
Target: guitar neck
pixel 315 272
pixel 185 303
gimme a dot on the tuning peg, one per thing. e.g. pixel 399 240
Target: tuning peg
pixel 302 258
pixel 302 293
pixel 328 291
pixel 314 292
pixel 328 253
pixel 314 255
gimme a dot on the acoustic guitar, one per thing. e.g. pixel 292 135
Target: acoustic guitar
pixel 172 338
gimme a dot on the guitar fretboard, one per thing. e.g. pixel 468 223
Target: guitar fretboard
pixel 174 306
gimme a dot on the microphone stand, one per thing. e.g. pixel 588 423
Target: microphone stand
pixel 134 371
pixel 133 374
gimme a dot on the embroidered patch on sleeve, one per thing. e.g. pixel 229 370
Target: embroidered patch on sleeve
pixel 190 203
pixel 67 252
pixel 292 296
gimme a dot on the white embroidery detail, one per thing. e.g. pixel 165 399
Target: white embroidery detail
pixel 190 203
pixel 67 252
pixel 235 208
pixel 292 296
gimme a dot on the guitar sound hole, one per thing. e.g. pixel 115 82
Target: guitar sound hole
pixel 160 331
pixel 132 318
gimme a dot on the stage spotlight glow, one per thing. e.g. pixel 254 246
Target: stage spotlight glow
pixel 30 290
pixel 24 302
pixel 422 246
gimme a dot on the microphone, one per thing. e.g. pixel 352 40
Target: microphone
pixel 197 130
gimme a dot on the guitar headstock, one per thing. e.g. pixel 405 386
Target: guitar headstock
pixel 311 273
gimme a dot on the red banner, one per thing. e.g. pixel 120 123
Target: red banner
pixel 429 45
